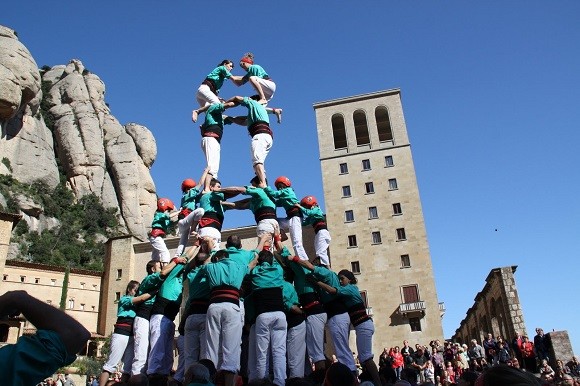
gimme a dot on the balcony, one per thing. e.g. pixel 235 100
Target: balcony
pixel 411 308
pixel 441 309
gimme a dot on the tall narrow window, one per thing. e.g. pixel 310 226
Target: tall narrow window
pixel 348 216
pixel 83 285
pixel 369 187
pixel 355 266
pixel 383 124
pixel 405 261
pixel 361 129
pixel 52 281
pixel 5 277
pixel 373 212
pixel 117 296
pixel 71 304
pixel 119 274
pixel 338 132
pixel 376 236
pixel 346 191
pixel 343 168
pixel 352 241
pixel 22 279
pixel 366 164
pixel 82 306
pixel 36 280
pixel 389 161
pixel 393 184
pixel 397 210
pixel 401 234
pixel 410 294
pixel 415 324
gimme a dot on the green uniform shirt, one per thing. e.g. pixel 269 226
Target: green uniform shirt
pixel 225 272
pixel 198 285
pixel 213 116
pixel 172 286
pixel 326 276
pixel 267 275
pixel 161 220
pixel 290 296
pixel 218 75
pixel 350 295
pixel 190 198
pixel 125 308
pixel 241 256
pixel 312 215
pixel 256 112
pixel 259 199
pixel 255 70
pixel 211 202
pixel 148 284
pixel 285 198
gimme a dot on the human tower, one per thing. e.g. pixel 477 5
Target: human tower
pixel 277 302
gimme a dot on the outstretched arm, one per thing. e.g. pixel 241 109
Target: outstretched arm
pixel 141 298
pixel 242 121
pixel 331 290
pixel 195 113
pixel 172 264
pixel 46 317
pixel 201 180
pixel 305 263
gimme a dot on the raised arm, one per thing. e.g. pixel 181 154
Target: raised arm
pixel 195 113
pixel 166 270
pixel 201 180
pixel 46 317
pixel 305 263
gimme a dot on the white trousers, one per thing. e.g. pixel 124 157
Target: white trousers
pixel 252 371
pixel 180 371
pixel 266 226
pixel 364 340
pixel 321 243
pixel 271 336
pixel 212 233
pixel 162 332
pixel 195 339
pixel 224 332
pixel 160 251
pixel 141 345
pixel 212 150
pixel 296 350
pixel 339 326
pixel 268 87
pixel 121 350
pixel 185 225
pixel 315 336
pixel 260 147
pixel 205 96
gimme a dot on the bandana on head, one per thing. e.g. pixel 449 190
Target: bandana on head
pixel 246 59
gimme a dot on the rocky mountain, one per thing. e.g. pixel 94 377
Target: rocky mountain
pixel 56 126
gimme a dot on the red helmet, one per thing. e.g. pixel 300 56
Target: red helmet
pixel 164 204
pixel 308 201
pixel 283 180
pixel 187 184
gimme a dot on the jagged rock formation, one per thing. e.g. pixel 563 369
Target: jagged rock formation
pixel 97 153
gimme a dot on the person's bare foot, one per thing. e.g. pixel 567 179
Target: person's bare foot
pixel 278 113
pixel 194 115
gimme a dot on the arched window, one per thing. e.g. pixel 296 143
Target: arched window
pixel 338 131
pixel 383 124
pixel 361 129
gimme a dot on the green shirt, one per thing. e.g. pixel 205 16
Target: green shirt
pixel 161 220
pixel 256 112
pixel 190 198
pixel 33 358
pixel 225 272
pixel 211 202
pixel 218 75
pixel 255 70
pixel 349 294
pixel 267 275
pixel 126 308
pixel 213 116
pixel 290 296
pixel 312 215
pixel 198 285
pixel 259 199
pixel 148 284
pixel 285 198
pixel 172 286
pixel 326 276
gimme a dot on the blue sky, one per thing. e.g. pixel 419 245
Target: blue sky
pixel 490 93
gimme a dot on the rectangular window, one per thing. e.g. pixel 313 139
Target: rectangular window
pixel 369 188
pixel 352 241
pixel 376 236
pixel 366 164
pixel 393 184
pixel 415 324
pixel 117 296
pixel 119 274
pixel 52 281
pixel 92 308
pixel 348 216
pixel 401 234
pixel 405 261
pixel 397 210
pixel 373 212
pixel 83 285
pixel 94 286
pixel 346 191
pixel 343 168
pixel 410 294
pixel 355 266
pixel 389 161
pixel 82 307
pixel 71 304
pixel 36 280
pixel 22 279
pixel 5 277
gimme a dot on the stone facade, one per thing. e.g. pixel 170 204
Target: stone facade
pixel 374 214
pixel 496 309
